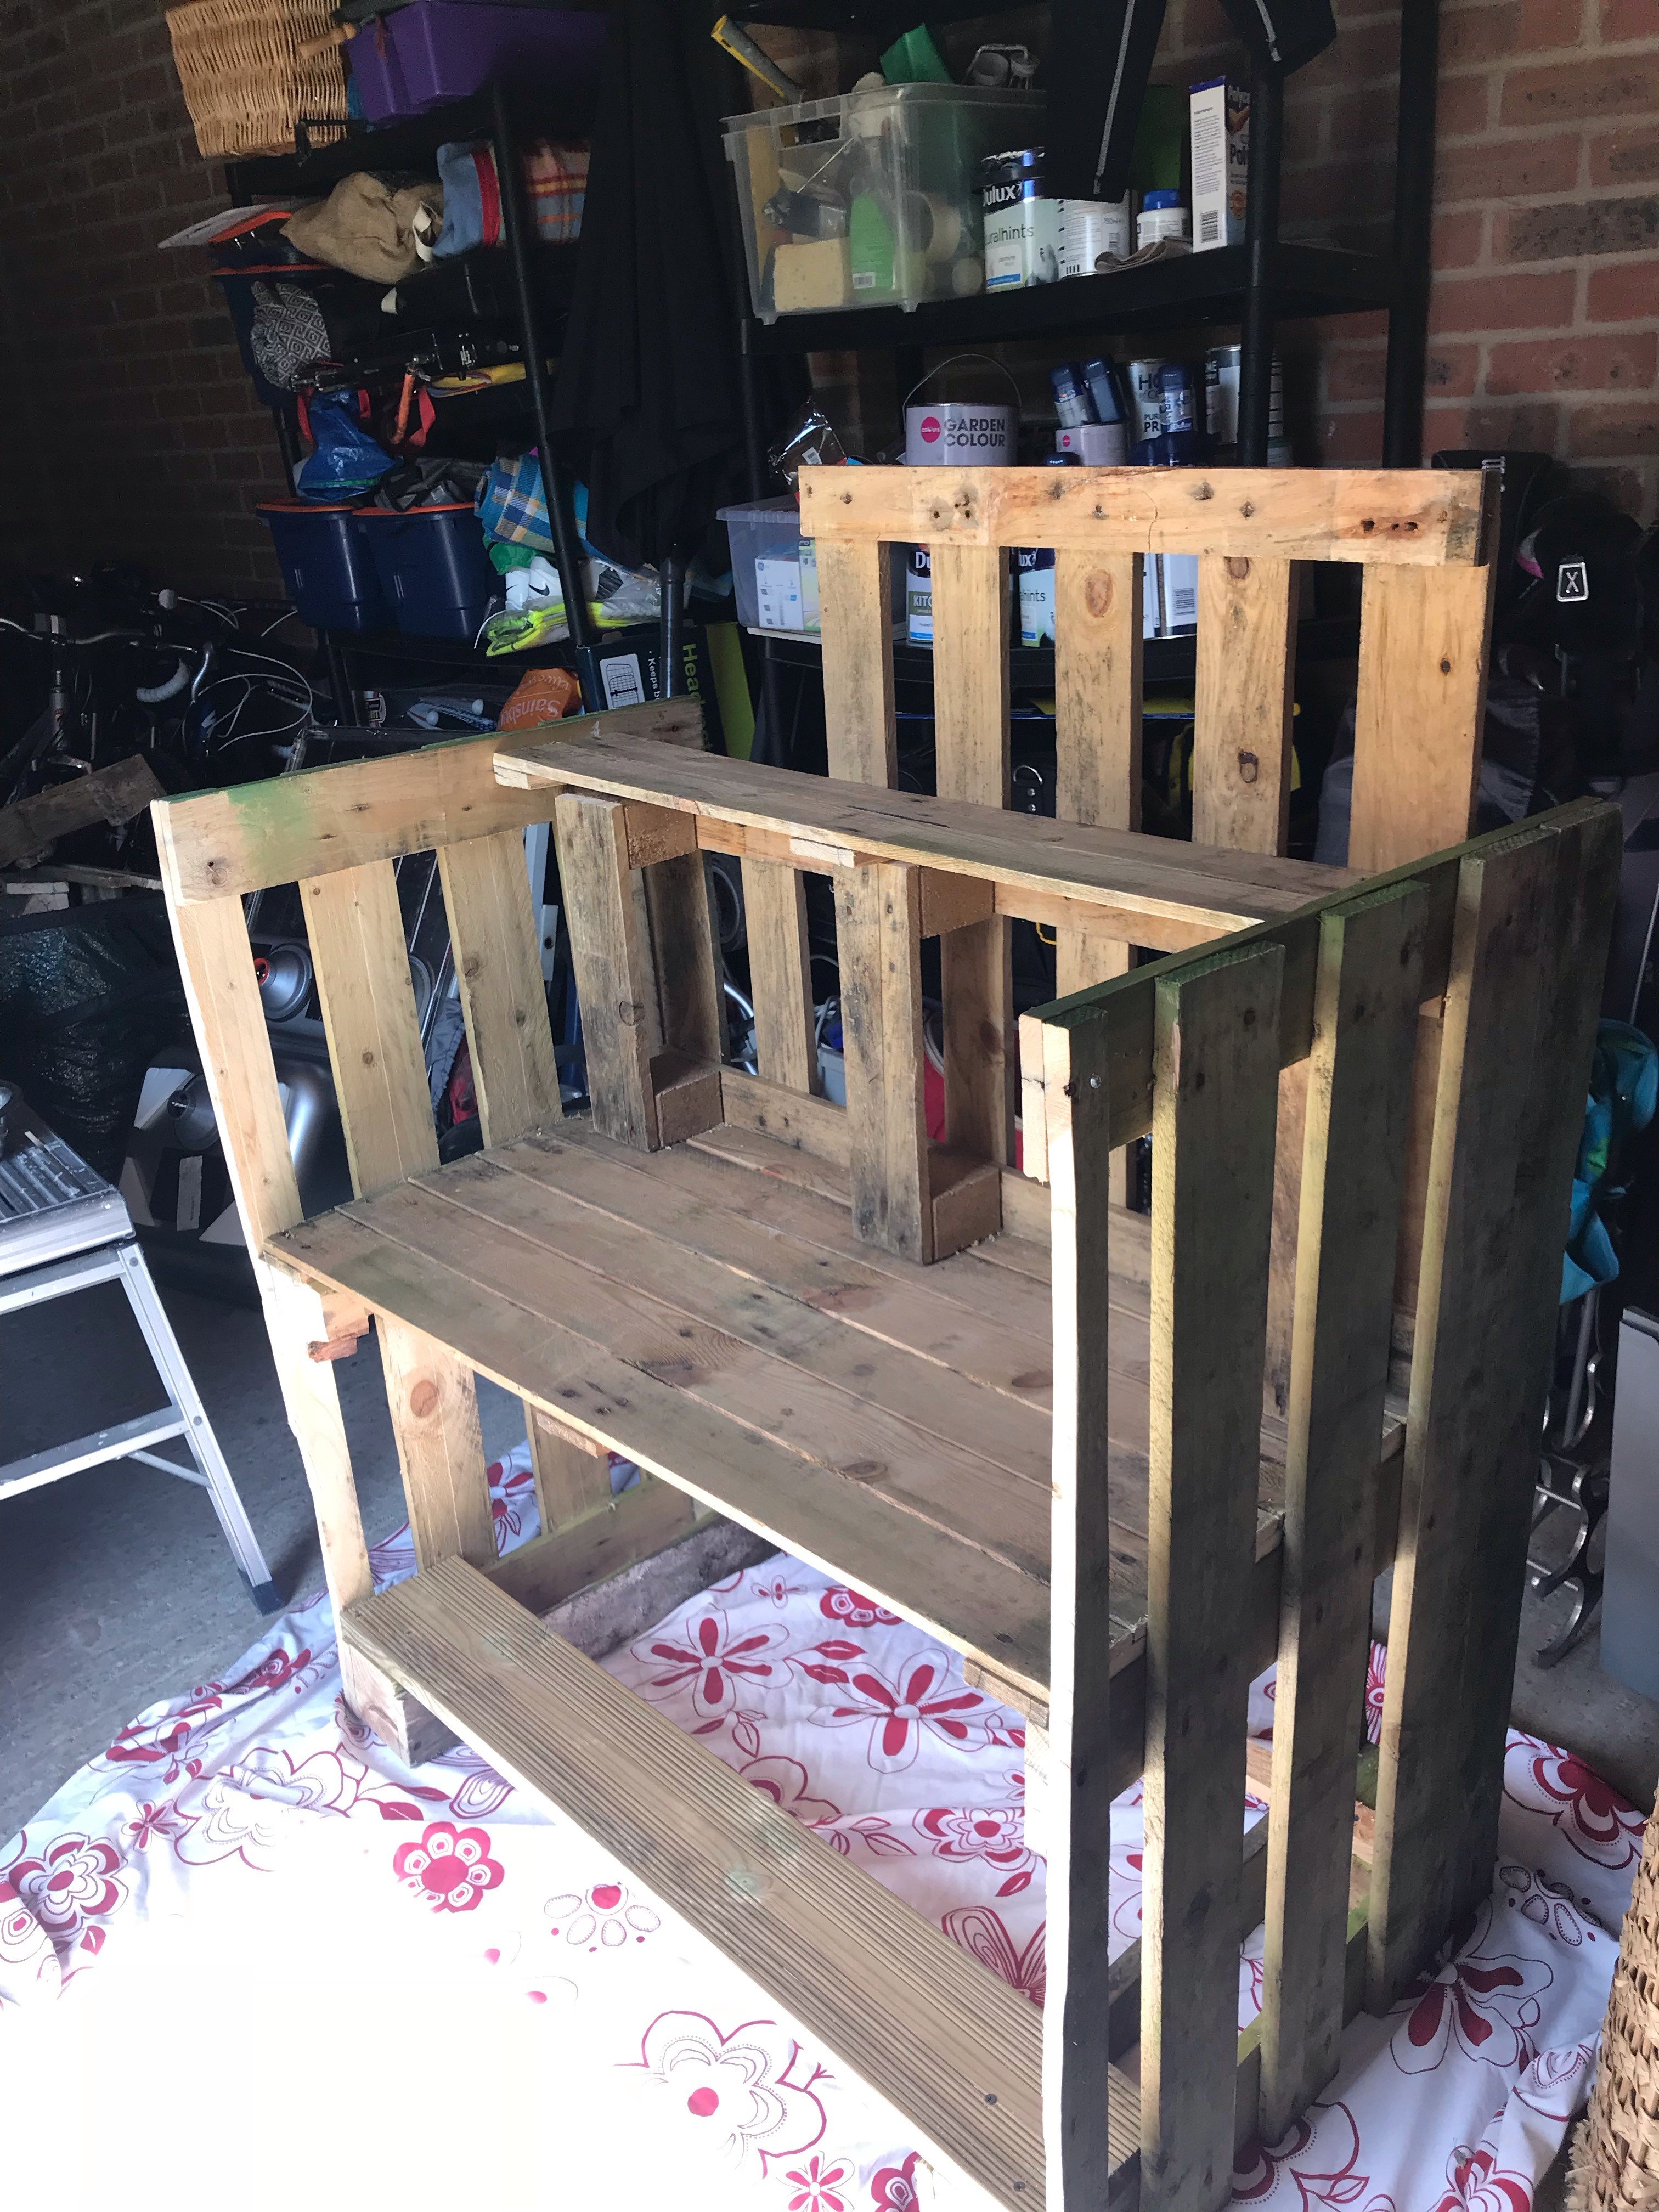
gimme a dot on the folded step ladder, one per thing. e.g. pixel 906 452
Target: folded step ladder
pixel 62 1228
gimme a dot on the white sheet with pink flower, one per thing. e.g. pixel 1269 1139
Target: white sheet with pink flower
pixel 246 1934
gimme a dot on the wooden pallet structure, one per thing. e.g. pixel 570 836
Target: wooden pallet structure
pixel 1054 1434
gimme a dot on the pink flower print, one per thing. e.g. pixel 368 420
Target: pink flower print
pixel 899 1713
pixel 1336 2181
pixel 274 1672
pixel 893 2188
pixel 714 1662
pixel 1376 1670
pixel 777 1587
pixel 605 1914
pixel 1486 2006
pixel 818 2187
pixel 450 1868
pixel 853 1610
pixel 1548 1904
pixel 995 1833
pixel 74 1881
pixel 741 2086
pixel 785 1782
pixel 984 1935
pixel 1599 1825
pixel 1474 2187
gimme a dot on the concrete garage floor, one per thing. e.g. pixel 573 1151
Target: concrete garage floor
pixel 118 1590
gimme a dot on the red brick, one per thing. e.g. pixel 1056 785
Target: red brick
pixel 1497 423
pixel 1352 441
pixel 1452 371
pixel 1472 35
pixel 1568 91
pixel 1457 239
pixel 1574 364
pixel 1463 104
pixel 1614 432
pixel 1569 230
pixel 1525 165
pixel 1502 303
pixel 1629 156
pixel 1353 373
pixel 1545 23
pixel 1626 19
pixel 1627 291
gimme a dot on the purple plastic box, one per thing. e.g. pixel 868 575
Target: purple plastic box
pixel 437 49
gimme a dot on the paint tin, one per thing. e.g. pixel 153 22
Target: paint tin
pixel 919 597
pixel 1021 223
pixel 1073 404
pixel 1178 397
pixel 959 433
pixel 1036 568
pixel 1096 445
pixel 1090 230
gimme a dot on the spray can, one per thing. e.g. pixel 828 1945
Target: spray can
pixel 1073 403
pixel 1145 400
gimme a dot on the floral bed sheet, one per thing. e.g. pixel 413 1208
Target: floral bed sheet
pixel 246 1937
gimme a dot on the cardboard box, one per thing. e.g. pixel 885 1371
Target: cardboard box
pixel 1219 115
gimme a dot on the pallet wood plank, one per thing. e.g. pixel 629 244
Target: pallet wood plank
pixel 689 996
pixel 1423 518
pixel 879 926
pixel 1465 1389
pixel 1216 1095
pixel 1360 1091
pixel 958 1591
pixel 906 2010
pixel 1242 719
pixel 1078 2116
pixel 227 843
pixel 1418 716
pixel 780 974
pixel 971 761
pixel 111 794
pixel 835 824
pixel 492 929
pixel 361 963
pixel 610 948
pixel 855 613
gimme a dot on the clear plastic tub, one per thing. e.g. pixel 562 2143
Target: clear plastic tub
pixel 774 570
pixel 871 199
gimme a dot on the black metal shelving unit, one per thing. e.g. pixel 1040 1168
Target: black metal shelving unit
pixel 1250 288
pixel 539 275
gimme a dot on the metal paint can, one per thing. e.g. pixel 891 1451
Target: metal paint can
pixel 1145 399
pixel 959 433
pixel 1221 375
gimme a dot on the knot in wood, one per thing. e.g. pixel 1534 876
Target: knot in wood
pixel 1203 491
pixel 1249 767
pixel 470 965
pixel 369 1058
pixel 631 1013
pixel 1097 592
pixel 1237 567
pixel 423 1398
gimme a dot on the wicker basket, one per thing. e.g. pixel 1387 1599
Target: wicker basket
pixel 245 83
pixel 1615 2154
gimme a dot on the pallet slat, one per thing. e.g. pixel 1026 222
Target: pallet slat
pixel 913 2017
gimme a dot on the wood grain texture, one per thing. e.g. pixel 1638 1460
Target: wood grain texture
pixel 492 928
pixel 1418 715
pixel 1466 1486
pixel 434 1419
pixel 879 926
pixel 1077 1786
pixel 254 834
pixel 780 974
pixel 1241 719
pixel 1216 1099
pixel 611 954
pixel 904 2008
pixel 1359 1089
pixel 115 794
pixel 830 825
pixel 855 614
pixel 572 1479
pixel 1419 518
pixel 690 997
pixel 361 963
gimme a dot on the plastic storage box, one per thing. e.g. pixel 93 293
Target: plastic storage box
pixel 435 575
pixel 774 570
pixel 437 49
pixel 871 199
pixel 326 564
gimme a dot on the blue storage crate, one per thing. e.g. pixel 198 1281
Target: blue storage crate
pixel 435 573
pixel 326 564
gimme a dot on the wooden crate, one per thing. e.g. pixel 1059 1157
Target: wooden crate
pixel 1048 1448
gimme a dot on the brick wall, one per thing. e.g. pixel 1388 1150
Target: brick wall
pixel 1544 315
pixel 133 433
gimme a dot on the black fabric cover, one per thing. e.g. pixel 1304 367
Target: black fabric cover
pixel 1284 34
pixel 1100 57
pixel 648 408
